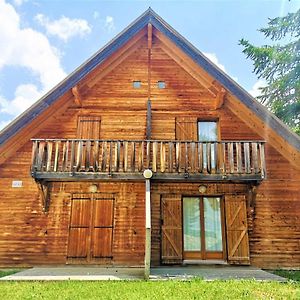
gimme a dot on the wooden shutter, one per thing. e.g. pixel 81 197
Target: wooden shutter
pixel 102 228
pixel 79 229
pixel 88 127
pixel 171 229
pixel 236 229
pixel 186 128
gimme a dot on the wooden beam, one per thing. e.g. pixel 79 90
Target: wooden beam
pixel 186 63
pixel 149 36
pixel 220 98
pixel 149 119
pixel 77 96
pixel 116 59
pixel 136 176
pixel 149 60
pixel 44 188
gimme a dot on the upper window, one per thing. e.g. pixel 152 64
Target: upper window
pixel 161 84
pixel 137 84
pixel 207 131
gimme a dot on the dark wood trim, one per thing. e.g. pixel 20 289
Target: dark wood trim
pixel 202 227
pixel 175 177
pixel 149 119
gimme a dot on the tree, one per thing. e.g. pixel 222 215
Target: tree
pixel 279 65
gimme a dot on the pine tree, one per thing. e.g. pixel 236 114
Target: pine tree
pixel 279 65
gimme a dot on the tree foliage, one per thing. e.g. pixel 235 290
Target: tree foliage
pixel 279 64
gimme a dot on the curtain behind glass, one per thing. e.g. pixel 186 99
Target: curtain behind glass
pixel 207 131
pixel 212 224
pixel 191 224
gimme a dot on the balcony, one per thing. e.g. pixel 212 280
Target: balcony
pixel 74 159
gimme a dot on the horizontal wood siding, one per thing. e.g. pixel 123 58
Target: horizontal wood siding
pixel 29 237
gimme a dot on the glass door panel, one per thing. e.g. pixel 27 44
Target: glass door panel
pixel 212 224
pixel 191 224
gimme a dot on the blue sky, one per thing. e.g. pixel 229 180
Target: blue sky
pixel 43 41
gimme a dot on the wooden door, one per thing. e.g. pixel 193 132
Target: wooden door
pixel 79 226
pixel 236 229
pixel 171 228
pixel 91 228
pixel 102 228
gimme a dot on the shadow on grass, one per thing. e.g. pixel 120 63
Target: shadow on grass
pixel 293 275
pixel 6 272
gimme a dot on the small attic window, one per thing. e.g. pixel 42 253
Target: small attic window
pixel 161 84
pixel 137 84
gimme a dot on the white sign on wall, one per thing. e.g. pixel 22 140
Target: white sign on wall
pixel 17 183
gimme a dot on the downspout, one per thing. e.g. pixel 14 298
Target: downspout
pixel 147 175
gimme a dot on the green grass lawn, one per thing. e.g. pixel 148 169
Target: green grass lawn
pixel 194 289
pixel 7 272
pixel 294 275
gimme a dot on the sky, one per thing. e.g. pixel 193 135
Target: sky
pixel 41 42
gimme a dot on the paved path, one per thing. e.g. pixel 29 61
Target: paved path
pixel 160 273
pixel 213 273
pixel 77 273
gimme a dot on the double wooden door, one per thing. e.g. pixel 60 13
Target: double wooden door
pixel 91 228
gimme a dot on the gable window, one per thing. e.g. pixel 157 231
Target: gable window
pixel 137 84
pixel 161 84
pixel 207 131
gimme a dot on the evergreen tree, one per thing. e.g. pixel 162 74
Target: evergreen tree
pixel 279 65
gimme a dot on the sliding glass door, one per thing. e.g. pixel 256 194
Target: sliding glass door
pixel 202 228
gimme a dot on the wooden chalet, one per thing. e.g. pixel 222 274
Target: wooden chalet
pixel 148 153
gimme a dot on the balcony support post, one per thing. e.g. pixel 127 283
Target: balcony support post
pixel 44 188
pixel 147 175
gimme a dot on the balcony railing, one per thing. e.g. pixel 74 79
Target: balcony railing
pixel 62 159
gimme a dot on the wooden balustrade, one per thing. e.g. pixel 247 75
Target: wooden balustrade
pixel 239 158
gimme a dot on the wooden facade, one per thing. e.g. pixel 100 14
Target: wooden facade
pixel 80 164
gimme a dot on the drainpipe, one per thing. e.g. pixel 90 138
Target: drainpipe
pixel 147 175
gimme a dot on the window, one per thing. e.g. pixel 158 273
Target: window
pixel 207 132
pixel 137 84
pixel 161 84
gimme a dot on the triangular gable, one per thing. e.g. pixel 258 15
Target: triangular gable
pixel 150 17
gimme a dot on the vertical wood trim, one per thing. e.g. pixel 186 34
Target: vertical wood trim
pixel 149 120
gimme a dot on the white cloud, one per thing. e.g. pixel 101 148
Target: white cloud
pixel 30 49
pixel 215 60
pixel 213 57
pixel 255 90
pixel 109 23
pixel 25 96
pixel 64 28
